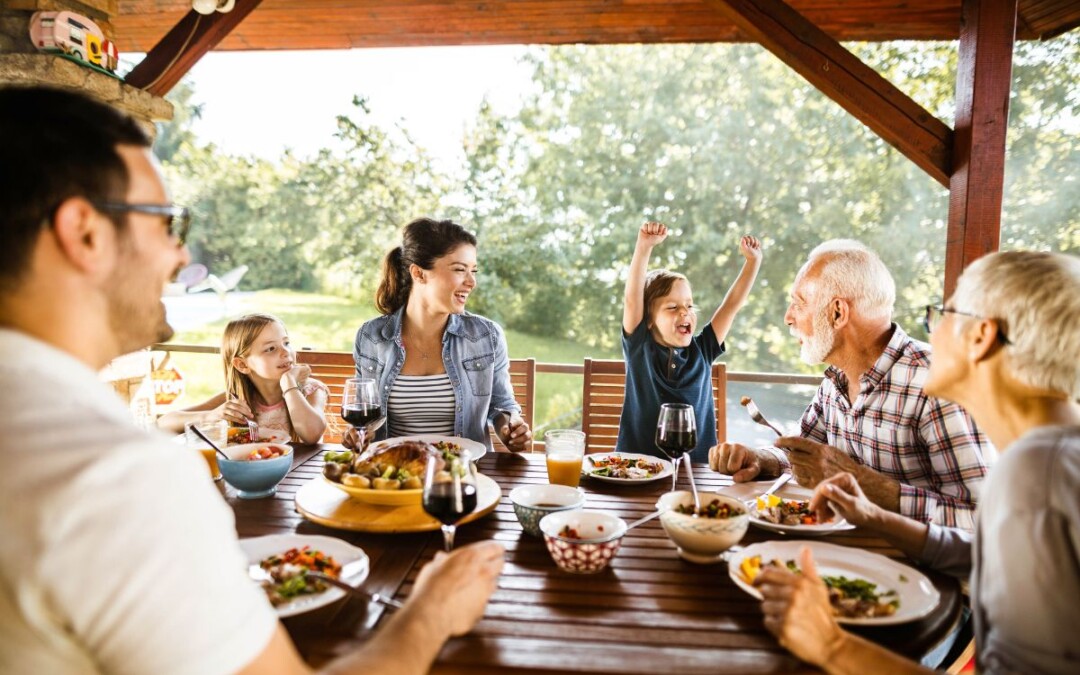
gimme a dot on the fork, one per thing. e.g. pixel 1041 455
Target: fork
pixel 253 431
pixel 373 597
pixel 756 415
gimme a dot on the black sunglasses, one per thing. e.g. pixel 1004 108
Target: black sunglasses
pixel 934 314
pixel 177 217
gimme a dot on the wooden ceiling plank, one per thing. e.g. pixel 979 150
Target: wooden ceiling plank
pixel 183 46
pixel 983 83
pixel 841 76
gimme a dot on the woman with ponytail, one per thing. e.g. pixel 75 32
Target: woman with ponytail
pixel 440 369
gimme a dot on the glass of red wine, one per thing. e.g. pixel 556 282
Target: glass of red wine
pixel 361 406
pixel 449 492
pixel 676 434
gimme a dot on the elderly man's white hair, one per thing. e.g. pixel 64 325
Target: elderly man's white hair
pixel 849 269
pixel 1036 298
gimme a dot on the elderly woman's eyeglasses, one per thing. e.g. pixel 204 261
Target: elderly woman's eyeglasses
pixel 934 314
pixel 177 218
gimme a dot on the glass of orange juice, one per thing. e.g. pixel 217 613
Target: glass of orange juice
pixel 564 449
pixel 218 432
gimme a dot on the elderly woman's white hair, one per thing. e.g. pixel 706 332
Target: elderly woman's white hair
pixel 1036 298
pixel 849 269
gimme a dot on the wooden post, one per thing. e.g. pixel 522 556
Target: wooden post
pixel 983 83
pixel 183 46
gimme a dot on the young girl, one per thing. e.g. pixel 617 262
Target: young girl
pixel 665 361
pixel 263 382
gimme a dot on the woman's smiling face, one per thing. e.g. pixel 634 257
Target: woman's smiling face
pixel 447 285
pixel 673 317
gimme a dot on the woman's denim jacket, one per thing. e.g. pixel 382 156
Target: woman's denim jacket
pixel 474 354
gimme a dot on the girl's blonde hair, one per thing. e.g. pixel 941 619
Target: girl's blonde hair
pixel 236 342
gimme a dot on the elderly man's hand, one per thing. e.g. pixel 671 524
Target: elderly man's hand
pixel 456 587
pixel 841 495
pixel 740 462
pixel 813 462
pixel 797 610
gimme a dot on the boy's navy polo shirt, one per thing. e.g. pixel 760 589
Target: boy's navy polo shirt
pixel 656 374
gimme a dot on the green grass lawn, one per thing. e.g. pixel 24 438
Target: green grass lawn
pixel 326 322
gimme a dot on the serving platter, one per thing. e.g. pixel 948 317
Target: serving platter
pixel 324 504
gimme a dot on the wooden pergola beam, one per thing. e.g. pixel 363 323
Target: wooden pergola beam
pixel 844 78
pixel 983 83
pixel 183 46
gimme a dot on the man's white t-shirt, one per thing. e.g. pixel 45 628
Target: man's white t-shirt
pixel 117 553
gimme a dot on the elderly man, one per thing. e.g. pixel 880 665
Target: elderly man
pixel 912 454
pixel 118 554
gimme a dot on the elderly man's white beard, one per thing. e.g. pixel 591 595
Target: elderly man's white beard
pixel 817 346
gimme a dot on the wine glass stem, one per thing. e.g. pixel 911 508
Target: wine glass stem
pixel 675 474
pixel 448 537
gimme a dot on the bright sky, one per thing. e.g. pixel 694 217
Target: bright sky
pixel 260 103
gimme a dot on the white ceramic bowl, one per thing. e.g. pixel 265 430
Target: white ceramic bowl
pixel 533 502
pixel 701 540
pixel 599 536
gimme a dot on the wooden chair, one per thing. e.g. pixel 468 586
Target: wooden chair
pixel 333 368
pixel 523 381
pixel 602 402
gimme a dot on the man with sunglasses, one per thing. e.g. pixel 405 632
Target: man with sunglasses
pixel 912 454
pixel 118 554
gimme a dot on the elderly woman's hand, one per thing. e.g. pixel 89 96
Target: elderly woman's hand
pixel 797 611
pixel 513 432
pixel 351 439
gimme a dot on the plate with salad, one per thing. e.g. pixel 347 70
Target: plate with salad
pixel 625 467
pixel 286 559
pixel 786 511
pixel 865 588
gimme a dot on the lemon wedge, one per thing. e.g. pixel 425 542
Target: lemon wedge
pixel 750 568
pixel 768 501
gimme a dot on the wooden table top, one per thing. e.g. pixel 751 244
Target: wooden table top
pixel 650 612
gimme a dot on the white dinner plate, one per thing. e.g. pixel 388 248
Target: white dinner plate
pixel 354 565
pixel 587 468
pixel 917 596
pixel 477 450
pixel 748 492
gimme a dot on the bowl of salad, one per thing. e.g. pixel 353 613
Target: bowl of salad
pixel 702 535
pixel 582 542
pixel 255 469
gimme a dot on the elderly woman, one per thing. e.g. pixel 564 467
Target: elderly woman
pixel 441 370
pixel 1006 348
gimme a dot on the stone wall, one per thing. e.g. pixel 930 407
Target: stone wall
pixel 22 65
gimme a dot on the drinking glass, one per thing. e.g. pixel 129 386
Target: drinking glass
pixel 676 433
pixel 564 449
pixel 361 406
pixel 218 432
pixel 449 492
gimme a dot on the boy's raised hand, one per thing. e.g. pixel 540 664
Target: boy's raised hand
pixel 652 233
pixel 750 248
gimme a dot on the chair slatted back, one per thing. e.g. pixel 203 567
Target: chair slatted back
pixel 333 368
pixel 602 401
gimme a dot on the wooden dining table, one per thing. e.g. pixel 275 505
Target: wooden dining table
pixel 649 612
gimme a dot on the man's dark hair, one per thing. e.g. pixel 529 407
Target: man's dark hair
pixel 54 145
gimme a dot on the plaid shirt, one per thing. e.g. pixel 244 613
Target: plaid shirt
pixel 929 446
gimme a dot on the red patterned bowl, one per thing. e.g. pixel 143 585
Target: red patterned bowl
pixel 582 542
